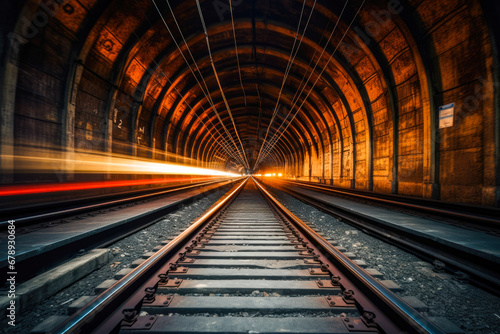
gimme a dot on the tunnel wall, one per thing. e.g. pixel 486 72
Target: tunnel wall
pixel 445 57
pixel 68 83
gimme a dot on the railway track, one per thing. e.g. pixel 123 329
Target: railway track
pixel 47 239
pixel 42 213
pixel 247 266
pixel 480 270
pixel 461 214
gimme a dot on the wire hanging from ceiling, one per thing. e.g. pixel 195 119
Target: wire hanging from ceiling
pixel 298 88
pixel 297 94
pixel 206 94
pixel 236 52
pixel 219 83
pixel 230 151
pixel 319 76
pixel 291 60
pixel 224 144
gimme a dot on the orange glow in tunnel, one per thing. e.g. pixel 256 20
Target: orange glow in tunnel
pixel 56 187
pixel 51 161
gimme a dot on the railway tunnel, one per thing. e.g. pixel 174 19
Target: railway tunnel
pixel 391 96
pixel 137 109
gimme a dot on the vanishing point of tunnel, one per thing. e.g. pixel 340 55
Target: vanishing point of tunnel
pixel 397 96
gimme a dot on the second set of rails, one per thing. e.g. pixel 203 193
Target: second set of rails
pixel 248 265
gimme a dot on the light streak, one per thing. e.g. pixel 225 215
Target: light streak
pixel 57 187
pixel 52 162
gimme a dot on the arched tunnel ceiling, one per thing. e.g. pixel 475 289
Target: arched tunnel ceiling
pixel 347 91
pixel 159 53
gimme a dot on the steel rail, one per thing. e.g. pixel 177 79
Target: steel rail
pixel 23 221
pixel 102 315
pixel 482 272
pixel 449 213
pixel 418 322
pixel 100 304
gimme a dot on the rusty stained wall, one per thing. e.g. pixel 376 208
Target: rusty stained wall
pixel 42 70
pixel 461 59
pixel 404 72
pixel 463 63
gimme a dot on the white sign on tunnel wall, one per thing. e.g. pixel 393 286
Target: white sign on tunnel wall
pixel 446 115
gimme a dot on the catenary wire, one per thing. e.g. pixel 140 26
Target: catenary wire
pixel 219 83
pixel 224 145
pixel 196 78
pixel 285 121
pixel 319 76
pixel 291 59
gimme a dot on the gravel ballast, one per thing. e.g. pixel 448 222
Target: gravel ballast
pixel 123 253
pixel 471 309
pixel 468 307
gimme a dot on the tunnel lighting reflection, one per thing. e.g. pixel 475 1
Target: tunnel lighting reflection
pixel 85 162
pixel 51 161
pixel 270 175
pixel 57 187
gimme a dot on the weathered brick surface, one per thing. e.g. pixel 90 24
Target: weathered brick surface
pixel 437 51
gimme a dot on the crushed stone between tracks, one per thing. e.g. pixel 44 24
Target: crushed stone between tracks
pixel 123 253
pixel 468 307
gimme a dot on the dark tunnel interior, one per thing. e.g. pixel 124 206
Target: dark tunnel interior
pixel 397 96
